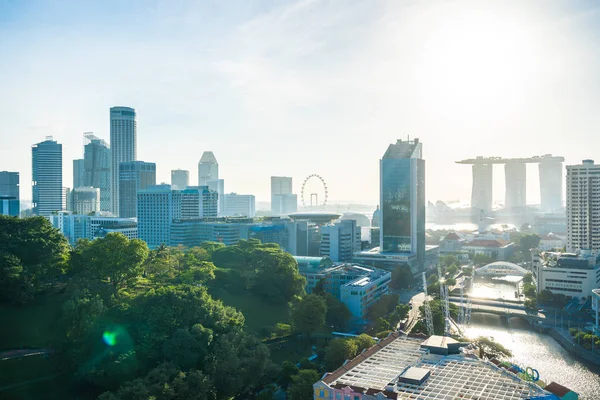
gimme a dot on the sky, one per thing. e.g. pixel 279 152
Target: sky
pixel 302 87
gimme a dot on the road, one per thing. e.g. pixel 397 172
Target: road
pixel 19 353
pixel 415 298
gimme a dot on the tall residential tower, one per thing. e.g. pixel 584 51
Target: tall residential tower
pixel 123 144
pixel 96 162
pixel 46 177
pixel 583 209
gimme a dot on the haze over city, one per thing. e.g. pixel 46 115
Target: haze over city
pixel 294 88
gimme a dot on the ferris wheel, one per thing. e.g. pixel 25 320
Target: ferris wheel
pixel 315 188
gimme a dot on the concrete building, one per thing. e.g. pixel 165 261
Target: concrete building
pixel 583 206
pixel 283 201
pixel 497 249
pixel 85 200
pixel 78 173
pixel 9 193
pixel 550 222
pixel 516 185
pixel 596 308
pixel 46 176
pixel 552 242
pixel 340 240
pixel 357 286
pixel 482 191
pixel 82 226
pixel 551 185
pixel 389 261
pixel 180 179
pixel 218 185
pixel 402 200
pixel 405 367
pixel 287 234
pixel 159 206
pixel 97 166
pixel 192 232
pixel 208 168
pixel 574 275
pixel 243 205
pixel 123 145
pixel 133 177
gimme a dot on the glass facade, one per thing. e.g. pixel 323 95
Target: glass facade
pixel 403 199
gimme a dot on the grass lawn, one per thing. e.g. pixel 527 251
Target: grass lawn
pixel 30 326
pixel 258 313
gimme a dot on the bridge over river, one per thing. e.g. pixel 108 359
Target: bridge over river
pixel 504 308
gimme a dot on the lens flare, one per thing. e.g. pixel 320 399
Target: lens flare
pixel 110 338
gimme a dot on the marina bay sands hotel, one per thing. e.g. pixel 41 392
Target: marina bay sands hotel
pixel 551 181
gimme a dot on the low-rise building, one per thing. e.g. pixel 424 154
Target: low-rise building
pixel 243 205
pixel 9 206
pixel 570 274
pixel 403 367
pixel 389 261
pixel 498 249
pixel 340 240
pixel 357 286
pixel 551 241
pixel 80 226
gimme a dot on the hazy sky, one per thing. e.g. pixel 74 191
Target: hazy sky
pixel 294 88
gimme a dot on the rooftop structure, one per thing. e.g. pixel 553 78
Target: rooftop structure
pixel 401 367
pixel 317 217
pixel 550 175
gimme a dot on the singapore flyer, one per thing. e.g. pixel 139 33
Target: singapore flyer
pixel 314 191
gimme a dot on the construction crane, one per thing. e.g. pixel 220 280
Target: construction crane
pixel 428 316
pixel 469 304
pixel 445 302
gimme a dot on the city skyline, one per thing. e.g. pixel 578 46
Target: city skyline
pixel 291 106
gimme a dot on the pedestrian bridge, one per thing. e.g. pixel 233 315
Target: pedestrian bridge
pixel 501 268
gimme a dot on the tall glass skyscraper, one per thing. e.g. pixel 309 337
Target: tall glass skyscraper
pixel 208 168
pixel 402 191
pixel 97 159
pixel 133 177
pixel 78 173
pixel 46 174
pixel 123 145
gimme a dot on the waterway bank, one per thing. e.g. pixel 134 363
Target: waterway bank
pixel 563 337
pixel 539 351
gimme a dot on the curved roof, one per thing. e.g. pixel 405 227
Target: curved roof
pixel 318 217
pixel 361 219
pixel 502 268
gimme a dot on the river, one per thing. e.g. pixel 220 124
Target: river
pixel 532 349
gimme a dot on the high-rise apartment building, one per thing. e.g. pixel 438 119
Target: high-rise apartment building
pixel 218 186
pixel 402 175
pixel 340 240
pixel 583 206
pixel 133 177
pixel 9 194
pixel 180 179
pixel 243 205
pixel 85 200
pixel 208 168
pixel 97 161
pixel 123 144
pixel 160 205
pixel 78 173
pixel 46 173
pixel 283 201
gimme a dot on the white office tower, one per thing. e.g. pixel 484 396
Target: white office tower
pixel 339 241
pixel 218 186
pixel 180 179
pixel 47 185
pixel 85 200
pixel 283 201
pixel 158 206
pixel 123 145
pixel 208 168
pixel 583 206
pixel 243 205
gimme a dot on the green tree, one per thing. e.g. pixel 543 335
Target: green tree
pixel 288 370
pixel 545 297
pixel 338 351
pixel 528 278
pixel 188 347
pixel 482 259
pixel 308 314
pixel 433 278
pixel 448 260
pixel 114 258
pixel 302 385
pixel 450 282
pixel 452 270
pixel 490 349
pixel 528 242
pixel 33 255
pixel 338 314
pixel 363 341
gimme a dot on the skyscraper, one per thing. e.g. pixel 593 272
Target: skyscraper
pixel 123 144
pixel 9 193
pixel 340 240
pixel 402 175
pixel 208 168
pixel 47 183
pixel 283 201
pixel 240 205
pixel 583 213
pixel 78 173
pixel 96 157
pixel 551 184
pixel 218 185
pixel 133 177
pixel 180 179
pixel 85 200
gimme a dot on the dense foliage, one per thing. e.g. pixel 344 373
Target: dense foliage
pixel 33 256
